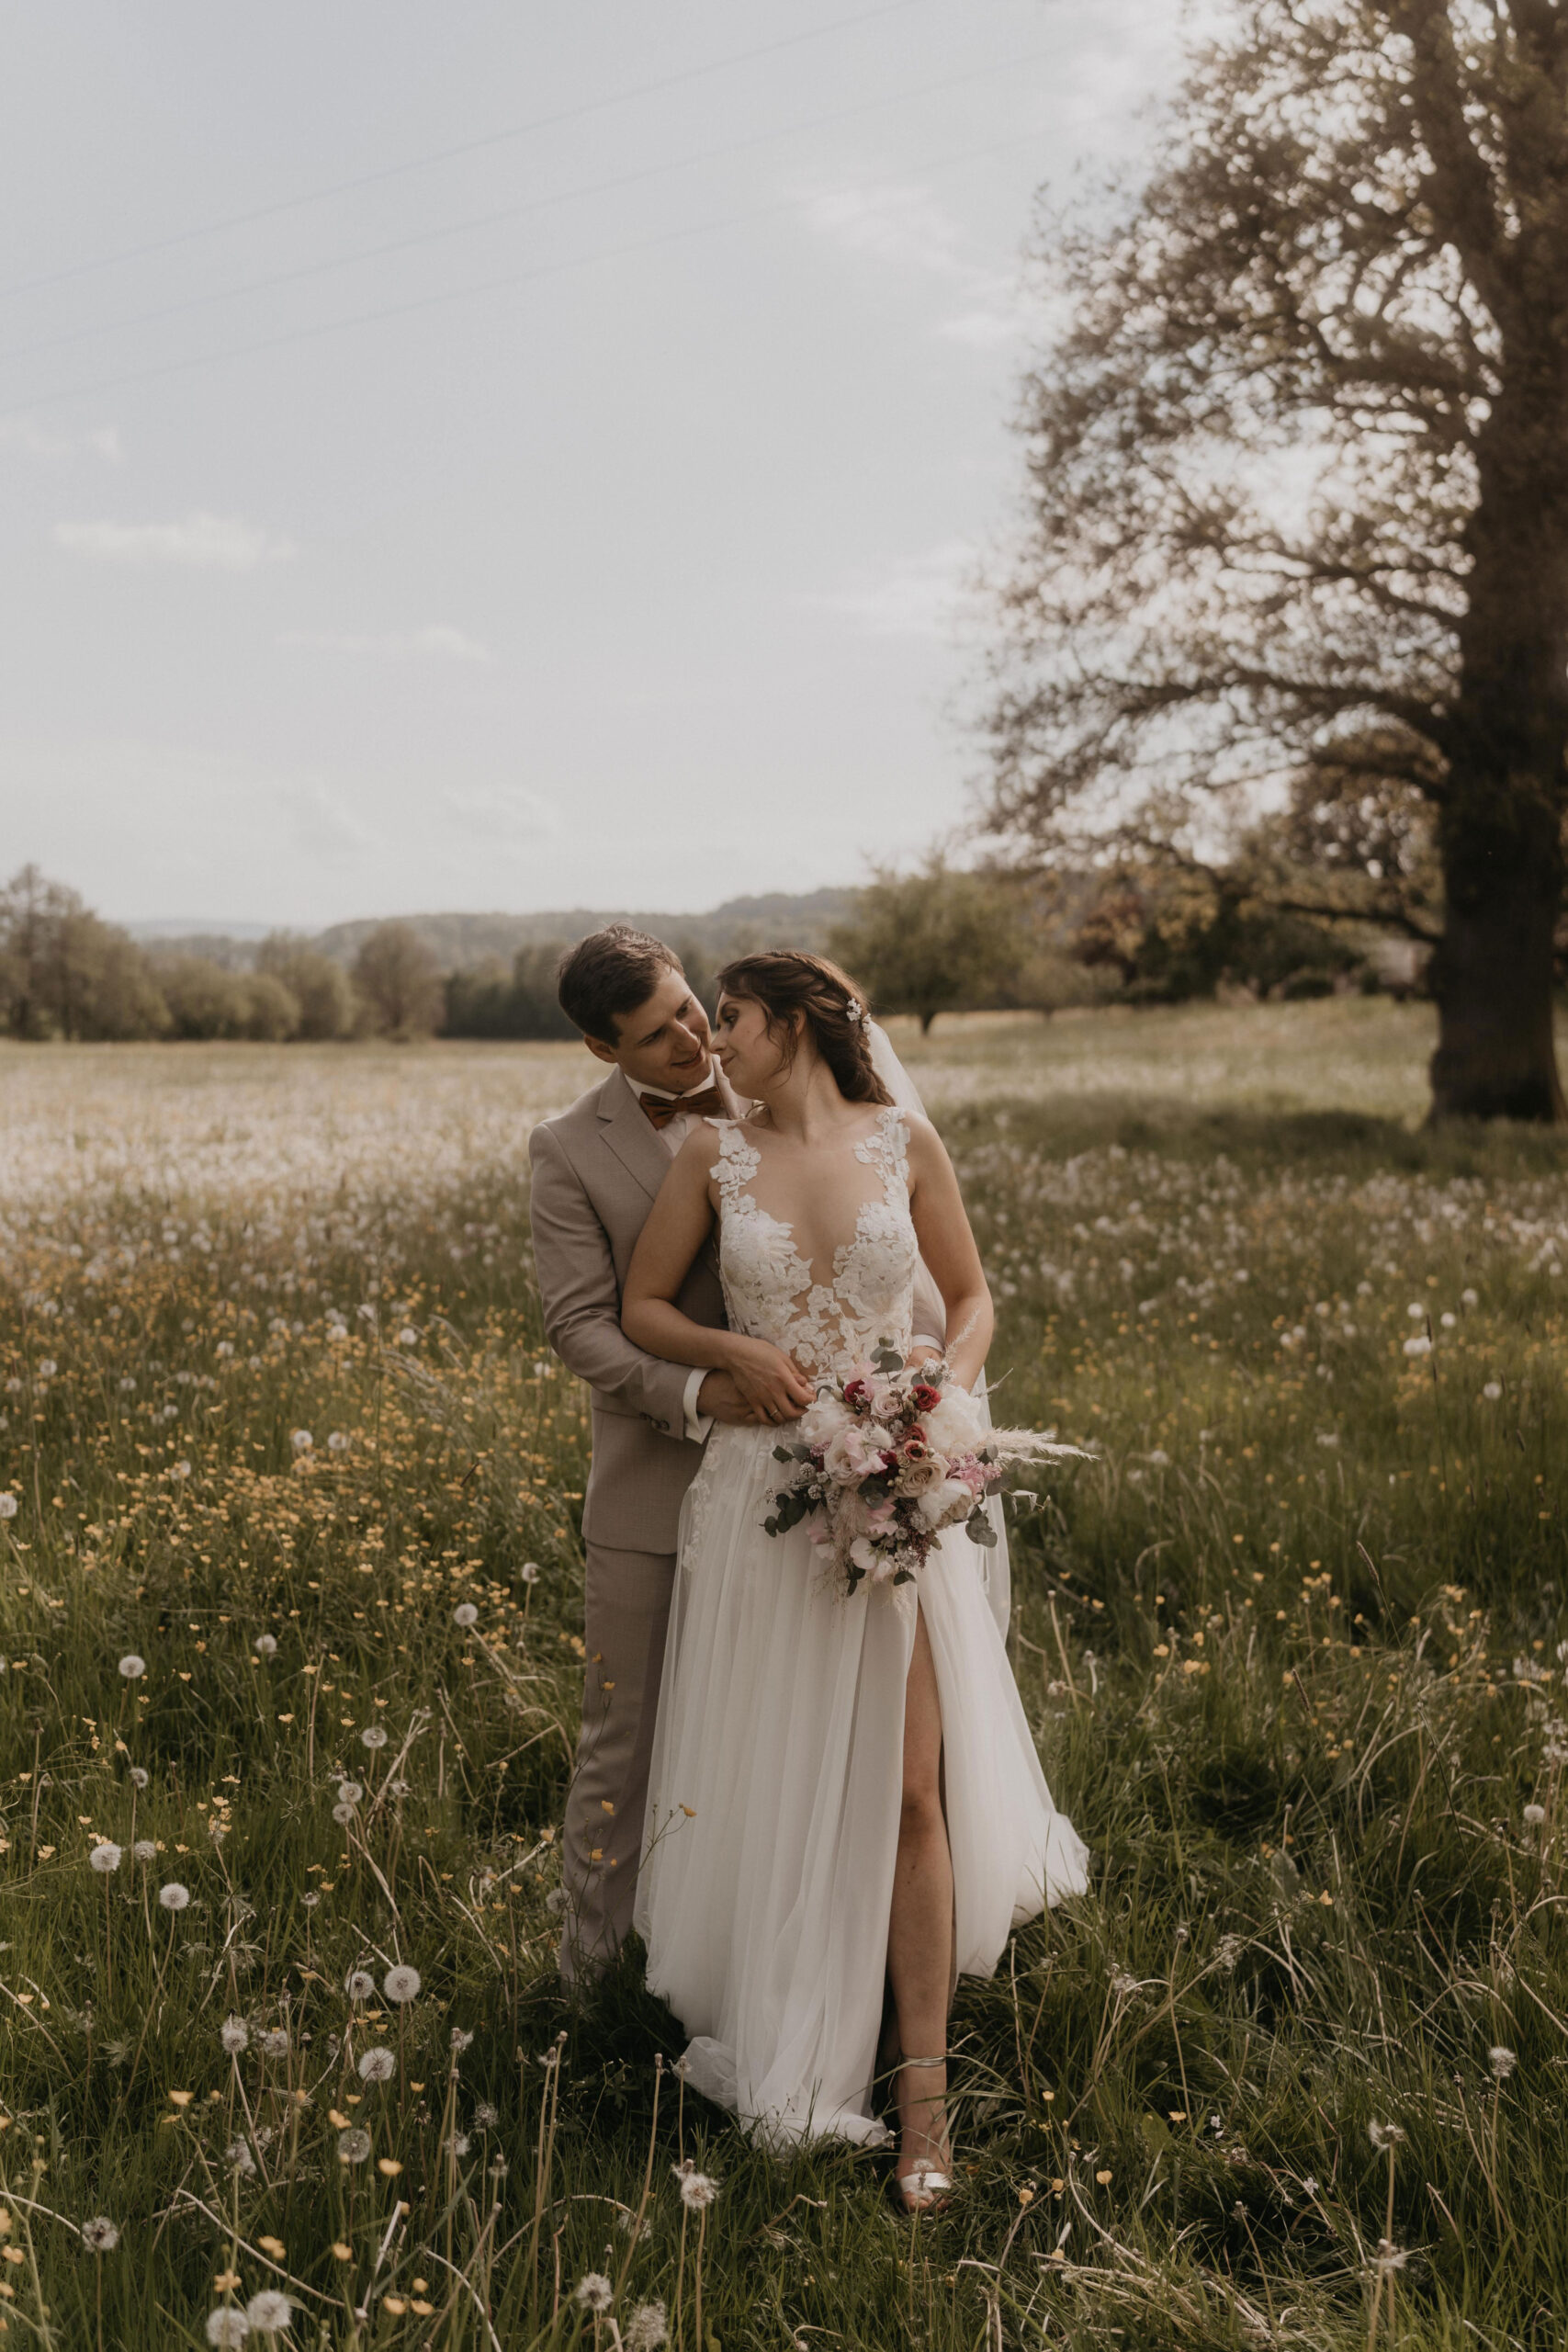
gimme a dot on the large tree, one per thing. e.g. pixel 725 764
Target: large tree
pixel 1298 468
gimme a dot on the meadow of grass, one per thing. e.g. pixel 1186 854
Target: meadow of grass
pixel 290 1609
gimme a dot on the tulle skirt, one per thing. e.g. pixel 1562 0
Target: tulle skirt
pixel 774 1797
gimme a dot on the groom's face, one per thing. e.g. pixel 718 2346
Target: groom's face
pixel 665 1041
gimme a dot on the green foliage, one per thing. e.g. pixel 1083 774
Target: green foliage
pixel 398 982
pixel 938 940
pixel 1308 1761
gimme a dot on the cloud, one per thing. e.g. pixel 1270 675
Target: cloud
pixel 897 223
pixel 504 813
pixel 202 542
pixel 22 436
pixel 993 314
pixel 436 642
pixel 323 825
pixel 924 597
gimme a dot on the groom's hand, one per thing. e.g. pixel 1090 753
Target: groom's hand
pixel 719 1397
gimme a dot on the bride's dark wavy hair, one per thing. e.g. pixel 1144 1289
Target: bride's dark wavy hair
pixel 785 981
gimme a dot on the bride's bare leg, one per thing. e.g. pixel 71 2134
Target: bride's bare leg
pixel 919 1938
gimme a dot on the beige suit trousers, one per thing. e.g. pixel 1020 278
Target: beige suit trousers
pixel 626 1613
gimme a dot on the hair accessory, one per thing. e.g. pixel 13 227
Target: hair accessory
pixel 855 1013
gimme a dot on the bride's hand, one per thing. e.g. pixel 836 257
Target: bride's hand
pixel 771 1382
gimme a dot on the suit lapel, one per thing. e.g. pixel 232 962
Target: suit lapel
pixel 631 1134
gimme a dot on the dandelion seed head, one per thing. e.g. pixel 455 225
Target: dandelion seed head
pixel 486 2116
pixel 266 1645
pixel 139 1776
pixel 227 2326
pixel 270 2311
pixel 1492 1391
pixel 275 2041
pixel 349 1793
pixel 132 1667
pixel 359 1985
pixel 460 2039
pixel 698 2189
pixel 1390 2258
pixel 1502 2060
pixel 145 1850
pixel 353 2145
pixel 100 2236
pixel 529 1573
pixel 594 2292
pixel 377 2064
pixel 174 1896
pixel 465 1614
pixel 401 1983
pixel 1384 2135
pixel 301 1441
pixel 235 2035
pixel 238 2157
pixel 9 1506
pixel 105 1858
pixel 343 1813
pixel 647 2329
pixel 373 1736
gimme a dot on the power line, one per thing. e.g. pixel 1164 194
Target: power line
pixel 450 154
pixel 483 286
pixel 517 212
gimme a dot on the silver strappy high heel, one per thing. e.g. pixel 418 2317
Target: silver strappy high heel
pixel 927 2188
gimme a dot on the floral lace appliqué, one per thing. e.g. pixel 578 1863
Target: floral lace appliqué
pixel 768 1287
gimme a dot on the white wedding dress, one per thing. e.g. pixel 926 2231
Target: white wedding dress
pixel 776 1777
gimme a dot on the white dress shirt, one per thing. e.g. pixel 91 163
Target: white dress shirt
pixel 673 1134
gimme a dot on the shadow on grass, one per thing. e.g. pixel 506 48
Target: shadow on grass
pixel 1350 1141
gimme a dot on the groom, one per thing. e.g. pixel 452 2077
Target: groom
pixel 596 1169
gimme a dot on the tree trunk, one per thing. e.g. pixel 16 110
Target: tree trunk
pixel 1492 975
pixel 926 1020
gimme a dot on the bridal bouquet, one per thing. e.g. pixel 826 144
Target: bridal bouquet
pixel 887 1459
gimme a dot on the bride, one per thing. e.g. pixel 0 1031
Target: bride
pixel 842 1792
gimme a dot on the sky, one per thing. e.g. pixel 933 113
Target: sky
pixel 509 458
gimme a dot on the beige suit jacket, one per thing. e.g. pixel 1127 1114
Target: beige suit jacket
pixel 596 1170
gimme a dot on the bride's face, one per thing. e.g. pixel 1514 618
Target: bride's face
pixel 750 1057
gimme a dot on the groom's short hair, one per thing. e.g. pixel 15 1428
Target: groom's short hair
pixel 611 972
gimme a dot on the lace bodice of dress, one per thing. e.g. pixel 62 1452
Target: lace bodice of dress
pixel 773 1293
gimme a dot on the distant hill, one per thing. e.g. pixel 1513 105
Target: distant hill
pixel 463 942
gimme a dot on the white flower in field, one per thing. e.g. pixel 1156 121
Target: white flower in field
pixel 349 1793
pixel 486 2116
pixel 529 1572
pixel 1470 1298
pixel 1535 1814
pixel 235 2035
pixel 9 1506
pixel 270 2311
pixel 225 1347
pixel 373 1736
pixel 145 1850
pixel 132 1667
pixel 401 1983
pixel 106 1857
pixel 462 2040
pixel 308 1902
pixel 1448 1319
pixel 275 2041
pixel 408 1337
pixel 127 1382
pixel 1415 1311
pixel 139 1776
pixel 1328 1437
pixel 458 2144
pixel 698 2189
pixel 353 2146
pixel 377 2064
pixel 343 1813
pixel 238 2157
pixel 647 2329
pixel 465 1614
pixel 1492 1391
pixel 100 2236
pixel 1158 1459
pixel 301 1441
pixel 1502 2060
pixel 174 1897
pixel 179 1469
pixel 594 2292
pixel 359 1985
pixel 1390 2258
pixel 227 2326
pixel 266 1645
pixel 1420 1346
pixel 1384 2135
pixel 47 1368
pixel 338 1441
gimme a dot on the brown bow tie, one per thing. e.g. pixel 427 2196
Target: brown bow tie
pixel 706 1103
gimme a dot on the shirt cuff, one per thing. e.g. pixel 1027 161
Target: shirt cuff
pixel 697 1425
